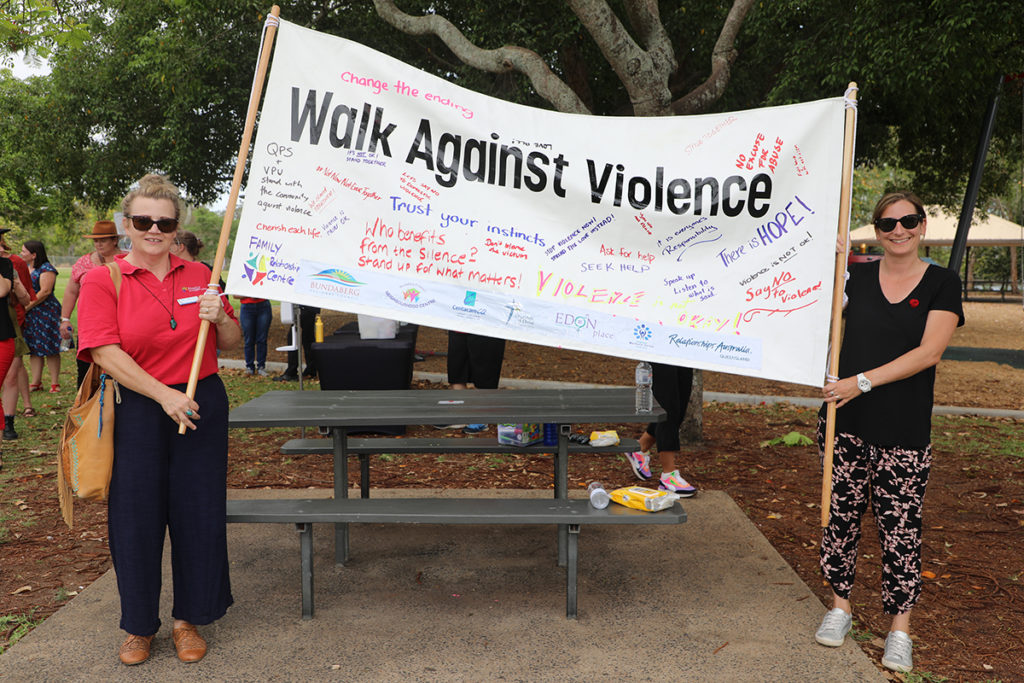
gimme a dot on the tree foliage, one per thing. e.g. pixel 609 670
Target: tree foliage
pixel 163 85
pixel 926 73
pixel 35 27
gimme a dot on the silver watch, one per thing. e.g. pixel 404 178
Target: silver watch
pixel 863 383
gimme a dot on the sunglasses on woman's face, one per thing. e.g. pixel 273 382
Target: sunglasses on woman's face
pixel 144 223
pixel 910 221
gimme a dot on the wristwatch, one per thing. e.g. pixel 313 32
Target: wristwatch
pixel 863 383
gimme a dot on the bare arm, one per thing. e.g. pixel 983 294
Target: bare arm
pixel 67 307
pixel 46 282
pixel 127 372
pixel 20 292
pixel 938 330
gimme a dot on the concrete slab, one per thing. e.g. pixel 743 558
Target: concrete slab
pixel 706 600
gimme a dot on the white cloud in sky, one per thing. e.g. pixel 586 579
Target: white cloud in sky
pixel 25 67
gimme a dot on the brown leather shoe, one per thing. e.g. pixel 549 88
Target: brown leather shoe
pixel 135 649
pixel 190 645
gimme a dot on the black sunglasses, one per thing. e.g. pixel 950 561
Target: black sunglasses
pixel 144 223
pixel 910 221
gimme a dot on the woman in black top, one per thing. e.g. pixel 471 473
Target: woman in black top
pixel 901 315
pixel 7 332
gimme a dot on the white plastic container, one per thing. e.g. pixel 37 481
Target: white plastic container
pixel 372 327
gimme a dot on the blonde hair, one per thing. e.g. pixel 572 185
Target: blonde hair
pixel 153 186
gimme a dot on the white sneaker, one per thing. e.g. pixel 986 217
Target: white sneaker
pixel 834 627
pixel 898 652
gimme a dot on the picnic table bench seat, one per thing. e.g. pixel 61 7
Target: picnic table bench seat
pixel 364 447
pixel 360 446
pixel 304 512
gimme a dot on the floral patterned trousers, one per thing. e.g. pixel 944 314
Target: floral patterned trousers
pixel 894 479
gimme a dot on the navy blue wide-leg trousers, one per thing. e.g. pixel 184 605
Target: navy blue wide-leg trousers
pixel 165 482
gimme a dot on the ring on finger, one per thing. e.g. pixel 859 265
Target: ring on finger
pixel 189 413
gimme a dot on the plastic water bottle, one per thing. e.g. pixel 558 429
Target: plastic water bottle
pixel 65 344
pixel 644 398
pixel 599 498
pixel 318 330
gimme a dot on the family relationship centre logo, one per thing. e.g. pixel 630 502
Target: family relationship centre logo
pixel 256 268
pixel 410 295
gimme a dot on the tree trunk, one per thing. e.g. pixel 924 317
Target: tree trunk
pixel 1014 278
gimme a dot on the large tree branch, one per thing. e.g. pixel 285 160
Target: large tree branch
pixel 645 18
pixel 644 74
pixel 724 54
pixel 501 60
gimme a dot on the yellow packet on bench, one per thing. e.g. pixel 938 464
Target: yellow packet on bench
pixel 606 438
pixel 640 498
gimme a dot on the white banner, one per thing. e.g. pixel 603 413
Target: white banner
pixel 706 241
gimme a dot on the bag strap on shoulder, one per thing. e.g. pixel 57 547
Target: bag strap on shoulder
pixel 115 276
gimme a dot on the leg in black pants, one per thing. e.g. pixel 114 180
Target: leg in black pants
pixel 671 386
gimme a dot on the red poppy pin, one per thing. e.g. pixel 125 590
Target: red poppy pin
pixel 914 303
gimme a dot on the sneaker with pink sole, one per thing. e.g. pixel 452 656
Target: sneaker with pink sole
pixel 640 461
pixel 673 482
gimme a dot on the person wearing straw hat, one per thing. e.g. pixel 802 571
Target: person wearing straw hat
pixel 900 317
pixel 163 482
pixel 105 248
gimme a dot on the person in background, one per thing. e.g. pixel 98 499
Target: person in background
pixel 473 359
pixel 307 321
pixel 16 380
pixel 7 332
pixel 256 317
pixel 105 248
pixel 671 386
pixel 42 317
pixel 188 246
pixel 900 316
pixel 163 483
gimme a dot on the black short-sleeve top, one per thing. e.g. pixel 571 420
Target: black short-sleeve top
pixel 877 331
pixel 6 326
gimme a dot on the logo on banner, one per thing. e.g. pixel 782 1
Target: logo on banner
pixel 409 295
pixel 579 323
pixel 336 276
pixel 642 335
pixel 517 315
pixel 469 309
pixel 255 269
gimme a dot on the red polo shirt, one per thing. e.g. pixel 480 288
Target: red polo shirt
pixel 140 319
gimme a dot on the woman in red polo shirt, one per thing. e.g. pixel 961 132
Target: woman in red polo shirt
pixel 145 339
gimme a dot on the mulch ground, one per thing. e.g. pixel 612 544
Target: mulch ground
pixel 968 626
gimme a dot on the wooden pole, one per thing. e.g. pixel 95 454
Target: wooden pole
pixel 236 184
pixel 839 285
